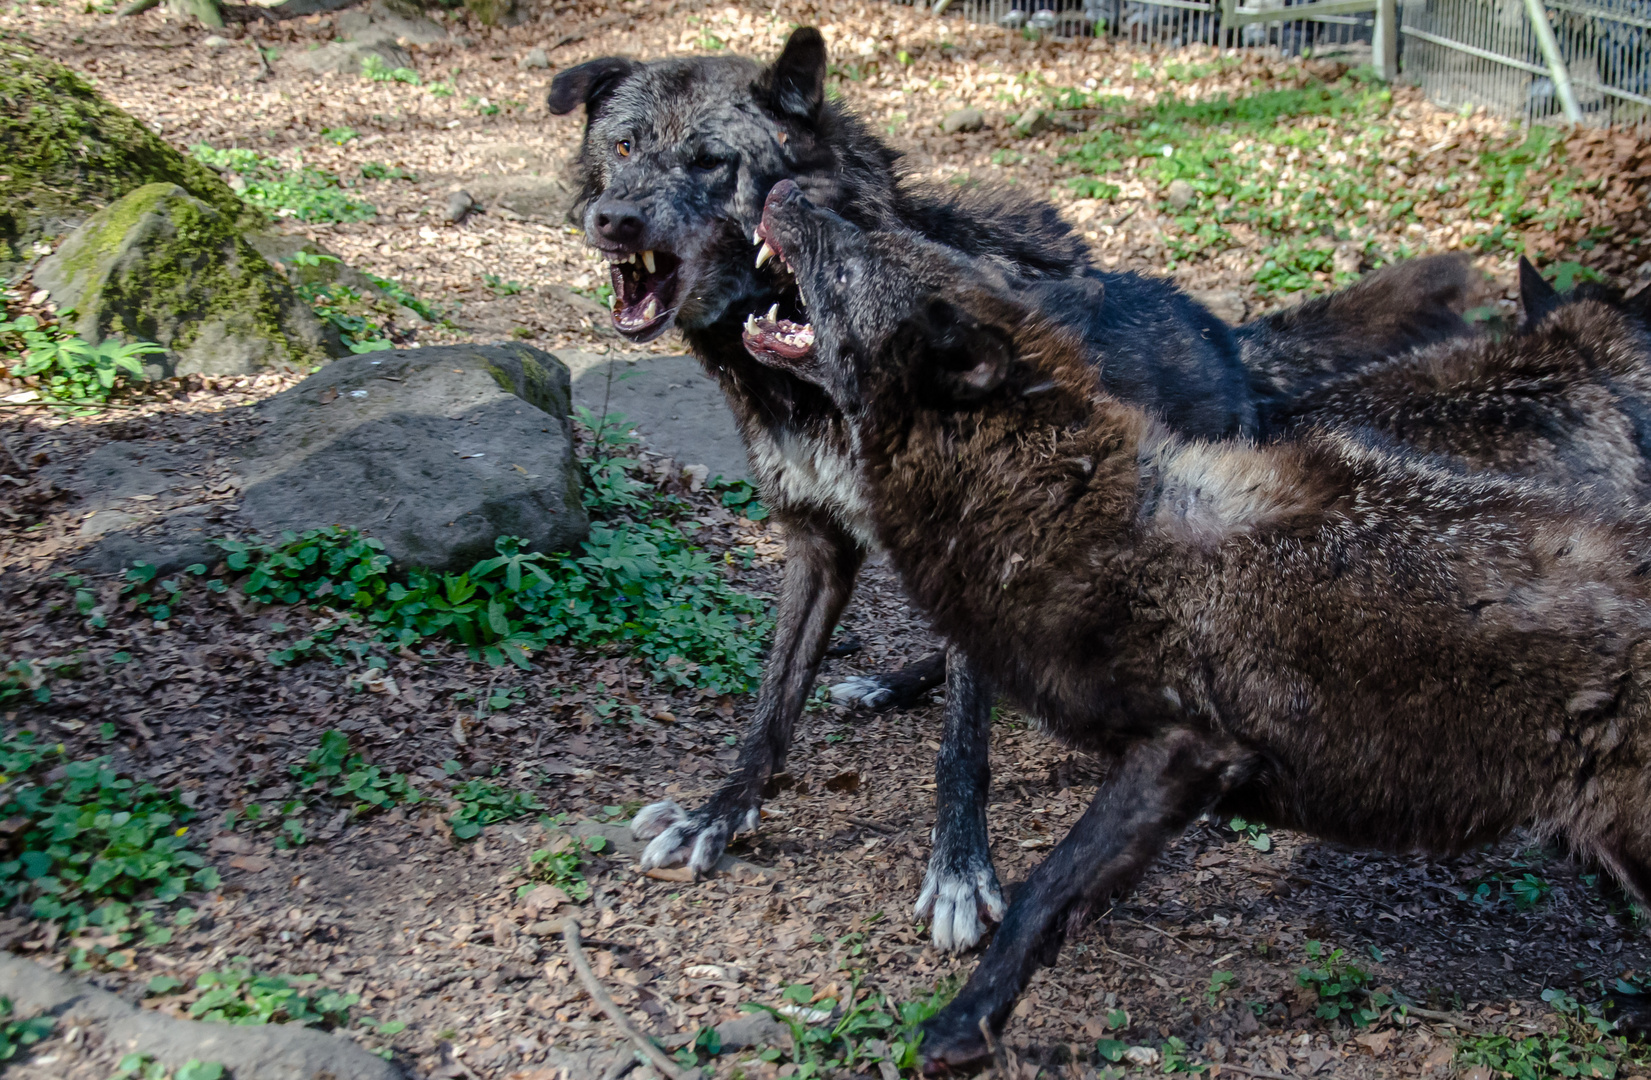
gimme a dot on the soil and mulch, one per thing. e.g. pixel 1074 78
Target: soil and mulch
pixel 1202 965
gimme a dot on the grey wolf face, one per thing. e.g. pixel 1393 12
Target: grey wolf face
pixel 859 288
pixel 676 160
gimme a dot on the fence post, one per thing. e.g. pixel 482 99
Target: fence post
pixel 1384 43
pixel 1557 71
pixel 1229 32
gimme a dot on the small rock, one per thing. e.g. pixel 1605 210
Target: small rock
pixel 535 58
pixel 1033 122
pixel 753 1029
pixel 963 120
pixel 1180 194
pixel 347 57
pixel 213 41
pixel 1348 259
pixel 460 205
pixel 1013 19
pixel 1225 304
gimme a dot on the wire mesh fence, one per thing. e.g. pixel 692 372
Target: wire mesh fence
pixel 1539 61
pixel 1284 24
pixel 1596 69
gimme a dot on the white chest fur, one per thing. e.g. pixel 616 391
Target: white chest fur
pixel 811 472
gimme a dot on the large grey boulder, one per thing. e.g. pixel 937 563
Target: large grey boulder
pixel 383 19
pixel 437 452
pixel 161 265
pixel 347 57
pixel 252 1052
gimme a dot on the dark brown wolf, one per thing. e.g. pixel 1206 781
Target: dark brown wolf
pixel 676 159
pixel 1322 634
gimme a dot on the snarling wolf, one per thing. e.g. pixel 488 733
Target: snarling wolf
pixel 1323 633
pixel 677 158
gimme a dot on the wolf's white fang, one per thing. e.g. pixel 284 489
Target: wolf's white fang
pixel 648 260
pixel 764 253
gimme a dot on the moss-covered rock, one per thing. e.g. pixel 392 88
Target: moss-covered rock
pixel 65 152
pixel 161 265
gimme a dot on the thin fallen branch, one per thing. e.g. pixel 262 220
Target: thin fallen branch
pixel 258 51
pixel 1259 1074
pixel 576 956
pixel 867 823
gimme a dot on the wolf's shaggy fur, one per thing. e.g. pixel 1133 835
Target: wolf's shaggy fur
pixel 1320 634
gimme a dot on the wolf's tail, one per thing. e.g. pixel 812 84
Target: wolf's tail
pixel 1385 313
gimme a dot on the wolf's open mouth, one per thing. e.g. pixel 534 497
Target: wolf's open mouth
pixel 644 291
pixel 770 338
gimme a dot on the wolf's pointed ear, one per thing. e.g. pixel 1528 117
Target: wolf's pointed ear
pixel 588 84
pixel 973 358
pixel 1536 296
pixel 796 82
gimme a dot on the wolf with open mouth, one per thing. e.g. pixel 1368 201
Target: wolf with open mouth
pixel 1386 630
pixel 677 158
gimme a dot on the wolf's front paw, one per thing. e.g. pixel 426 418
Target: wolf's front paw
pixel 960 895
pixel 695 840
pixel 860 690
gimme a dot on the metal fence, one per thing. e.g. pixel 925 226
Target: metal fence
pixel 1292 27
pixel 1580 61
pixel 1540 61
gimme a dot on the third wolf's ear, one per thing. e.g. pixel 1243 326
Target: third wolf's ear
pixel 970 358
pixel 588 84
pixel 1536 297
pixel 796 82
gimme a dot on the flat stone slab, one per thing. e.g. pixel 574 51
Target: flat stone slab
pixel 250 1052
pixel 679 411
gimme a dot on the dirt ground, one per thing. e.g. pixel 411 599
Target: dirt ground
pixel 427 929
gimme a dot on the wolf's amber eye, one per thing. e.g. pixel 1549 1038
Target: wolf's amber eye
pixel 623 146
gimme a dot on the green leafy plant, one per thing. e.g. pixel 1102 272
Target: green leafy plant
pixel 375 69
pixel 347 311
pixel 873 1028
pixel 1343 988
pixel 145 1067
pixel 501 288
pixel 373 170
pixel 1220 983
pixel 481 804
pixel 602 294
pixel 24 680
pixel 17 1034
pixel 236 995
pixel 338 136
pixel 66 370
pixel 441 89
pixel 1584 1046
pixel 560 865
pixel 1252 833
pixel 304 192
pixel 333 769
pixel 90 842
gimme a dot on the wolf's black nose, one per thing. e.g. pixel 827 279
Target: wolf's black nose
pixel 619 223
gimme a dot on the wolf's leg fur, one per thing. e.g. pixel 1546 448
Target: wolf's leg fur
pixel 820 566
pixel 1158 789
pixel 961 890
pixel 895 689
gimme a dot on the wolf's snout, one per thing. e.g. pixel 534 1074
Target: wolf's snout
pixel 618 223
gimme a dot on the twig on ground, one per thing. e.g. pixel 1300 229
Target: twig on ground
pixel 1259 1074
pixel 5 444
pixel 576 956
pixel 1453 1019
pixel 867 823
pixel 619 1068
pixel 584 31
pixel 1000 1062
pixel 258 51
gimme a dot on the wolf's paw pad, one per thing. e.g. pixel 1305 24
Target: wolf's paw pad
pixel 655 818
pixel 860 690
pixel 693 842
pixel 959 905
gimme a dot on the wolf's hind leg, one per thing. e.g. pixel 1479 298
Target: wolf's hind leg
pixel 961 892
pixel 898 689
pixel 1159 787
pixel 820 567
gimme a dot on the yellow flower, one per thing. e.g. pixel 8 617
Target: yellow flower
pixel 181 831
